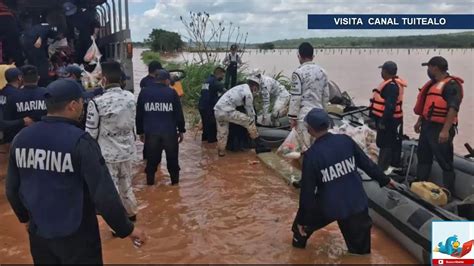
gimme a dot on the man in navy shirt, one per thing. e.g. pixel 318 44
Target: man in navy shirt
pixel 209 96
pixel 35 44
pixel 160 122
pixel 27 102
pixel 331 186
pixel 153 69
pixel 57 179
pixel 14 78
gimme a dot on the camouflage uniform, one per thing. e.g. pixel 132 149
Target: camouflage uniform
pixel 271 88
pixel 225 112
pixel 309 90
pixel 111 120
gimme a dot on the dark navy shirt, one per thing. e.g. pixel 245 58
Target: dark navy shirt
pixel 44 31
pixel 210 93
pixel 13 125
pixel 159 111
pixel 28 102
pixel 89 183
pixel 390 94
pixel 147 81
pixel 331 180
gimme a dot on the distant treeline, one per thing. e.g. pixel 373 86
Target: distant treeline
pixel 451 40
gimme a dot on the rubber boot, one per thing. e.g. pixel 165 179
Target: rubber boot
pixel 299 241
pixel 259 147
pixel 150 180
pixel 448 181
pixel 174 179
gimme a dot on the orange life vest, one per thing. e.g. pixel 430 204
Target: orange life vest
pixel 430 102
pixel 178 87
pixel 377 106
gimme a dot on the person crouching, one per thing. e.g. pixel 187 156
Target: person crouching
pixel 331 186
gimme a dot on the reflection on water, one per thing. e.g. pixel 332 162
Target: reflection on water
pixel 356 71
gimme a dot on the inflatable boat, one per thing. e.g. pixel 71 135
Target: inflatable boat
pixel 402 214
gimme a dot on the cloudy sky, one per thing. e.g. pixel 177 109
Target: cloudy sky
pixel 268 20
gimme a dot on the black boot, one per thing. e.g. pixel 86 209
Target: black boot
pixel 448 180
pixel 299 241
pixel 260 147
pixel 385 158
pixel 150 180
pixel 174 179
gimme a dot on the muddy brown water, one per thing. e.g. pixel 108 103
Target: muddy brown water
pixel 225 210
pixel 228 210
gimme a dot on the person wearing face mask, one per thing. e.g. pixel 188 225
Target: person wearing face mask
pixel 111 121
pixel 161 125
pixel 57 180
pixel 438 105
pixel 226 111
pixel 210 91
pixel 386 110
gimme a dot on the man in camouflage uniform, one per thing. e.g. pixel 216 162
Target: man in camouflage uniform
pixel 309 90
pixel 226 112
pixel 273 89
pixel 111 120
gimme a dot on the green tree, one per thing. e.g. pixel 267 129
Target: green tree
pixel 164 41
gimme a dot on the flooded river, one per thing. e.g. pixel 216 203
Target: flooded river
pixel 355 71
pixel 225 210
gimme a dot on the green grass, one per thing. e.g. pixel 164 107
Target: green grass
pixel 148 56
pixel 196 74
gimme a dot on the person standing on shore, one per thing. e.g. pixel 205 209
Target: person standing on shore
pixel 232 61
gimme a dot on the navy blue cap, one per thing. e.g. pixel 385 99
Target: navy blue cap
pixel 317 118
pixel 437 61
pixel 63 90
pixel 75 70
pixel 163 75
pixel 390 67
pixel 12 74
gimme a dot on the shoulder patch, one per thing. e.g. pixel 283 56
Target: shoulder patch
pixel 295 77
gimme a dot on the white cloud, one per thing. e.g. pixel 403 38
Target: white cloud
pixel 267 20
